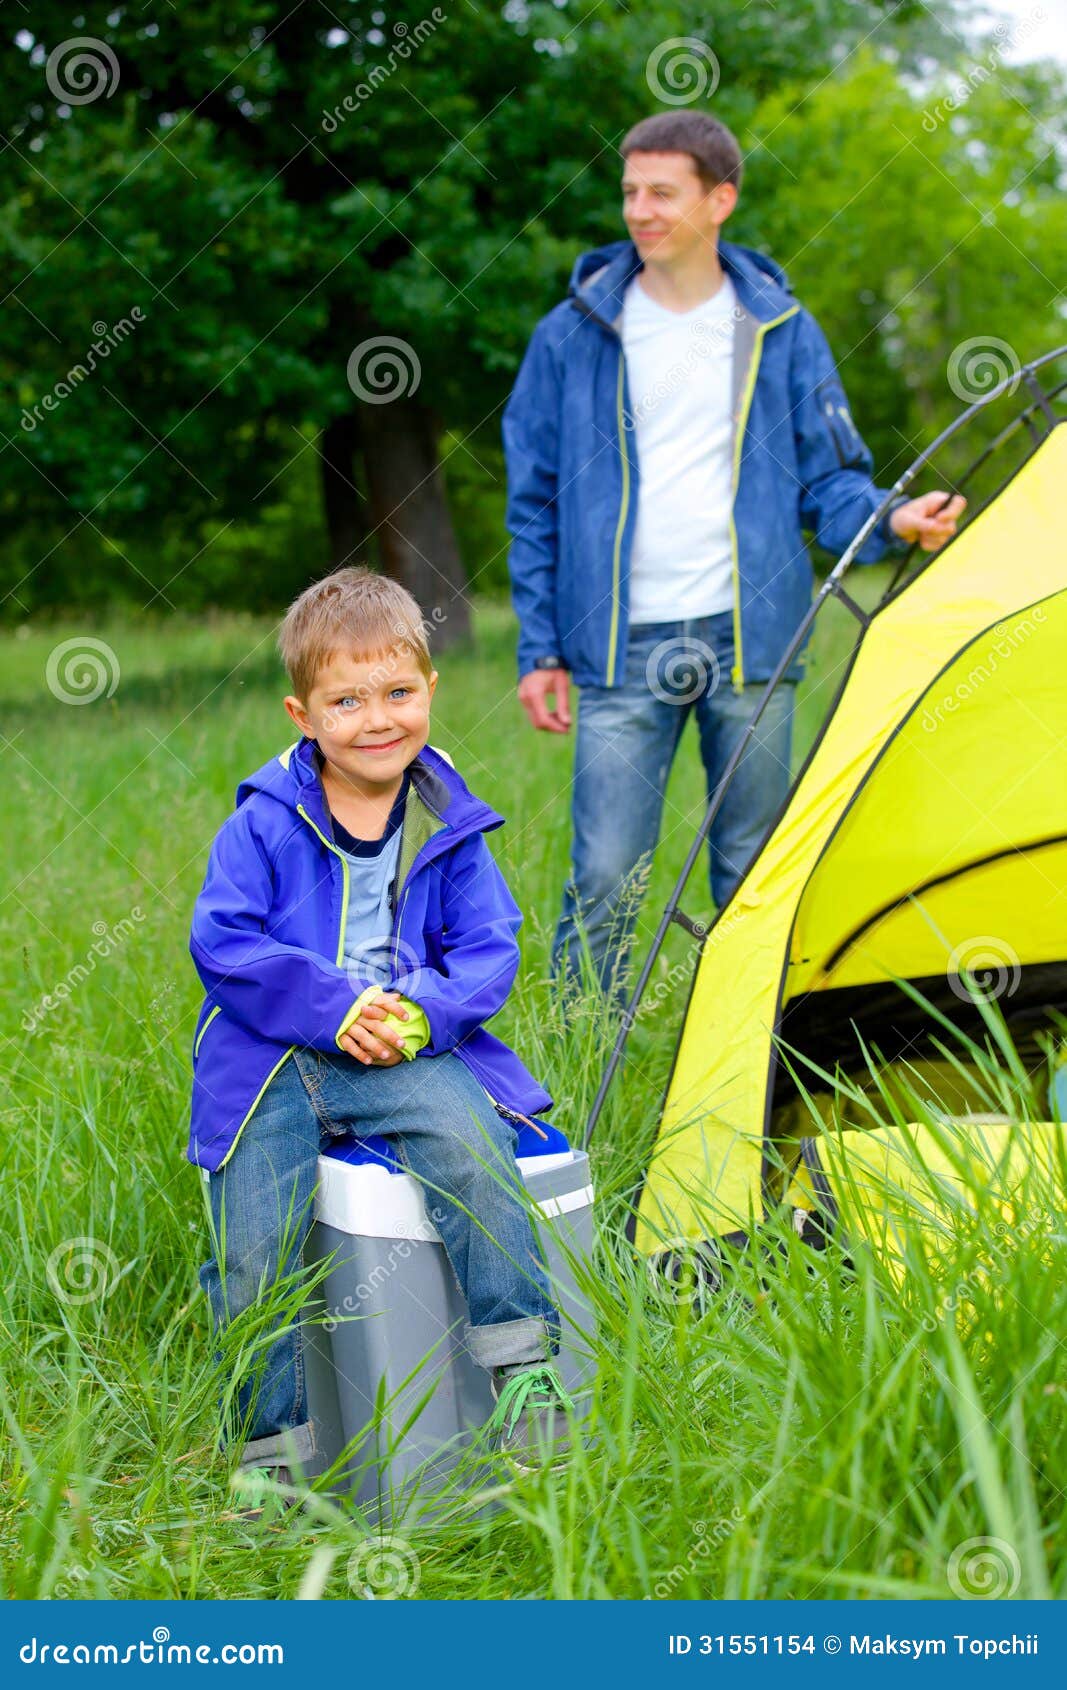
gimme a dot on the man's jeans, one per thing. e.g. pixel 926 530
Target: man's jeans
pixel 444 1129
pixel 626 741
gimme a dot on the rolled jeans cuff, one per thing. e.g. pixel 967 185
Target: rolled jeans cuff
pixel 503 1342
pixel 296 1444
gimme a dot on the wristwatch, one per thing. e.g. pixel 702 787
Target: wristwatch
pixel 548 663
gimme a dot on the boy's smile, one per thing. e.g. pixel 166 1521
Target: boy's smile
pixel 370 717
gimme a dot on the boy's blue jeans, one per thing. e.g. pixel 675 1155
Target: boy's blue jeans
pixel 626 741
pixel 444 1129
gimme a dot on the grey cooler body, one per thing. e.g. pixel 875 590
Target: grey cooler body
pixel 386 1331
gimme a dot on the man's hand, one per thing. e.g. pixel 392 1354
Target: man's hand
pixel 534 692
pixel 379 1046
pixel 930 519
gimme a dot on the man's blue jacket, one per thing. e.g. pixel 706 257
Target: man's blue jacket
pixel 798 463
pixel 268 932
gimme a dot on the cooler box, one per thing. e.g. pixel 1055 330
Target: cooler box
pixel 386 1332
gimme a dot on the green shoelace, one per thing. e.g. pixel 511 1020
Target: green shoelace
pixel 517 1391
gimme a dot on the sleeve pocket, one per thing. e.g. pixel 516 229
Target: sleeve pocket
pixel 837 417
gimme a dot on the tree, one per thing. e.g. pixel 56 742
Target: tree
pixel 338 226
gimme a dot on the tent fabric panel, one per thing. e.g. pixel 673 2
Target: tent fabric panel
pixel 905 1191
pixel 717 1093
pixel 976 770
pixel 993 917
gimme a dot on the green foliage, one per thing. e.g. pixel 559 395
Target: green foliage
pixel 263 228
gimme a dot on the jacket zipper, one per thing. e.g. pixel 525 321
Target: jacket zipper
pixel 737 676
pixel 616 560
pixel 340 954
pixel 330 846
pixel 624 503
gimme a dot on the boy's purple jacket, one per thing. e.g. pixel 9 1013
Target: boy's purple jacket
pixel 270 917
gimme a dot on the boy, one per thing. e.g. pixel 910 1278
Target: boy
pixel 353 933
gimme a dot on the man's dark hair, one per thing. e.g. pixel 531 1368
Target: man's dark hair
pixel 711 146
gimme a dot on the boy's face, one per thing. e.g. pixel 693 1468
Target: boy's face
pixel 370 715
pixel 668 210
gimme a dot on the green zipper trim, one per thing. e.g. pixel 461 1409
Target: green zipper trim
pixel 199 1037
pixel 330 846
pixel 738 673
pixel 340 954
pixel 255 1105
pixel 613 636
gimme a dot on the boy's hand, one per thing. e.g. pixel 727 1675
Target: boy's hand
pixel 370 1042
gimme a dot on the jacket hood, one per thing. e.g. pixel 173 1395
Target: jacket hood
pixel 600 276
pixel 292 779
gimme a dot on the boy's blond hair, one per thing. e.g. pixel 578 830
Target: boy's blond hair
pixel 352 610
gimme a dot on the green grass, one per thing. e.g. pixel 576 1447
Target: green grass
pixel 815 1432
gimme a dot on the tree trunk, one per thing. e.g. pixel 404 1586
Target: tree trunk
pixel 409 510
pixel 342 503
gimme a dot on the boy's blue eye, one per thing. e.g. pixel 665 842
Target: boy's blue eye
pixel 402 692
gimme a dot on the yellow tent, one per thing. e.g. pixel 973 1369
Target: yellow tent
pixel 925 839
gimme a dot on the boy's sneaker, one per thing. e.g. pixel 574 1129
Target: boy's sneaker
pixel 252 1485
pixel 531 1413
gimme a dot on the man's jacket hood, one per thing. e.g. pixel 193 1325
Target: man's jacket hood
pixel 600 278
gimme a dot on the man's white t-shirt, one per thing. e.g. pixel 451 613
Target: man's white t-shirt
pixel 679 369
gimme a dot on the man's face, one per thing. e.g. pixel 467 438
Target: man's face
pixel 370 716
pixel 668 210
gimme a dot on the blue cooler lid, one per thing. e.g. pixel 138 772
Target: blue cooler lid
pixel 376 1148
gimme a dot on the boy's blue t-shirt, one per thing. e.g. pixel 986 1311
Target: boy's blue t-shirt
pixel 371 872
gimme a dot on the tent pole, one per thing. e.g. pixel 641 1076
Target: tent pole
pixel 670 913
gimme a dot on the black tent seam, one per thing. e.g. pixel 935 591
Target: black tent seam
pixel 939 880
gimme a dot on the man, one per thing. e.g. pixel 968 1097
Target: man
pixel 675 424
